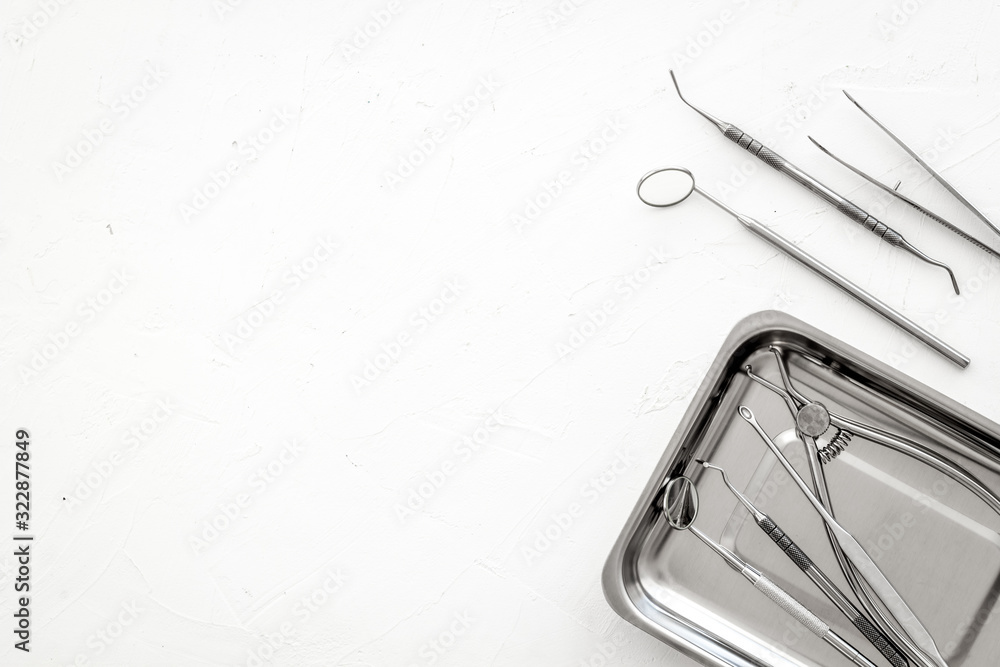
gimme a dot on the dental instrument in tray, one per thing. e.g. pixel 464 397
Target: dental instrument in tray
pixel 816 575
pixel 862 562
pixel 679 504
pixel 842 204
pixel 812 420
pixel 947 570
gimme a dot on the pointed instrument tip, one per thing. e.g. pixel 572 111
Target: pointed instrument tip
pixel 954 281
pixel 677 86
pixel 852 99
pixel 817 144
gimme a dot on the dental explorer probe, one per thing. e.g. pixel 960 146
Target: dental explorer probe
pixel 848 208
pixel 858 556
pixel 816 575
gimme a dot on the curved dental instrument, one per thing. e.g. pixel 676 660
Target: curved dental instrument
pixel 816 575
pixel 669 186
pixel 856 554
pixel 848 208
pixel 680 507
pixel 930 214
pixel 938 177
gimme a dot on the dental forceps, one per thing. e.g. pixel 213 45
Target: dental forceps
pixel 812 420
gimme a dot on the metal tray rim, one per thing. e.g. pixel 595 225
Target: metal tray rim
pixel 613 578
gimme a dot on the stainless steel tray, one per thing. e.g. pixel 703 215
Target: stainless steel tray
pixel 934 540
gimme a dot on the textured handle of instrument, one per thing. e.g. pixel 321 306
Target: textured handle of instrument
pixel 782 540
pixel 792 606
pixel 879 641
pixel 754 147
pixel 745 141
pixel 880 229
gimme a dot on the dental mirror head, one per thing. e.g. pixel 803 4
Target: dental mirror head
pixel 665 187
pixel 680 503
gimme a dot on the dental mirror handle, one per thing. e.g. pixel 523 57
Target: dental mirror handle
pixel 843 283
pixel 823 582
pixel 783 599
pixel 862 561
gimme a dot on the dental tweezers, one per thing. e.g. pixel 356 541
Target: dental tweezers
pixel 930 170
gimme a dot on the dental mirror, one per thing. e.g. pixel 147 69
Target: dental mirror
pixel 680 503
pixel 665 187
pixel 672 185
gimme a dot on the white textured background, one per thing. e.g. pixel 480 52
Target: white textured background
pixel 215 479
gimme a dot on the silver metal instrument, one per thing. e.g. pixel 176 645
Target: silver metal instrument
pixel 669 186
pixel 816 575
pixel 842 204
pixel 856 554
pixel 923 163
pixel 820 456
pixel 679 504
pixel 848 428
pixel 895 193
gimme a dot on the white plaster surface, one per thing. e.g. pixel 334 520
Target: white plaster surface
pixel 212 484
